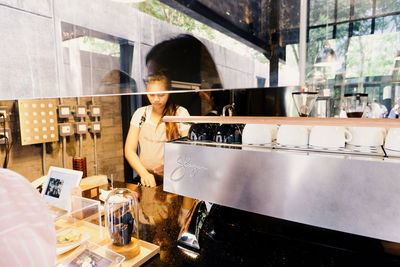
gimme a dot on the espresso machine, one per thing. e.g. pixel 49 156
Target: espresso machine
pixel 280 208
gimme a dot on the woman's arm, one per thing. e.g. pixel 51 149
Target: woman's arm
pixel 131 145
pixel 184 132
pixel 182 127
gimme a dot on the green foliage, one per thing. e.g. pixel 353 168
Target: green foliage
pixel 363 54
pixel 174 17
pixel 100 46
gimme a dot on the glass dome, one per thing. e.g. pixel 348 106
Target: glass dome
pixel 122 221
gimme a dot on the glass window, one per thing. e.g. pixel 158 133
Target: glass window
pixel 362 27
pixel 371 55
pixel 342 30
pixel 367 50
pixel 289 69
pixel 92 62
pixel 387 6
pixel 362 8
pixel 320 10
pixel 321 33
pixel 343 10
pixel 387 24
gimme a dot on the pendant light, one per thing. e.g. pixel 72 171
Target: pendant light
pixel 326 57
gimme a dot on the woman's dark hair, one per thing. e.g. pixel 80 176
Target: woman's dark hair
pixel 170 107
pixel 178 58
pixel 184 58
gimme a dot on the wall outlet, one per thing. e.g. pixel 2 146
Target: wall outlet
pixel 8 135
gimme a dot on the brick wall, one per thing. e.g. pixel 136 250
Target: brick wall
pixel 27 160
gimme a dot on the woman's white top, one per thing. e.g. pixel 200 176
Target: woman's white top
pixel 152 136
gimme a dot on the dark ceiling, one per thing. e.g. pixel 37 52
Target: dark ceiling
pixel 266 25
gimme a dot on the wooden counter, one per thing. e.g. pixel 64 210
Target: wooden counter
pixel 347 122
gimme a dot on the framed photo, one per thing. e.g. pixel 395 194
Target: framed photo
pixel 57 186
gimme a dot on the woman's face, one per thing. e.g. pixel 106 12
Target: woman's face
pixel 158 100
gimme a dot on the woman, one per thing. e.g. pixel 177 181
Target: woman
pixel 149 132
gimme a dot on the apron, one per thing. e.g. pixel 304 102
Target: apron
pixel 151 141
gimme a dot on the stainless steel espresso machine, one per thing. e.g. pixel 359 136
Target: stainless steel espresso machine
pixel 294 207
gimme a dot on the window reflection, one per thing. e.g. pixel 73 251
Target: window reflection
pixel 95 63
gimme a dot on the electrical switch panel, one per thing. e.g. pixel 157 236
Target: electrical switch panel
pixel 95 111
pixel 38 121
pixel 64 111
pixel 80 111
pixel 95 127
pixel 66 129
pixel 81 128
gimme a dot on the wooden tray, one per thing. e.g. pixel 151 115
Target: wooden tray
pixel 98 236
pixel 147 251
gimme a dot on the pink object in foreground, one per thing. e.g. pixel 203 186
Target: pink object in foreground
pixel 27 234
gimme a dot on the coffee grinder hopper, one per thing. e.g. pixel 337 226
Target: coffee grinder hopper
pixel 304 102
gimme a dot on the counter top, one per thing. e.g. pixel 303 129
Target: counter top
pixel 233 237
pixel 311 121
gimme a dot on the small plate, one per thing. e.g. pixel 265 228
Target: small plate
pixel 62 248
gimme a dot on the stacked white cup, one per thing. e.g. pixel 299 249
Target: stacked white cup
pixel 367 136
pixel 292 135
pixel 259 134
pixel 329 137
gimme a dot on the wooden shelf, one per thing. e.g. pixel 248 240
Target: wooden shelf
pixel 386 123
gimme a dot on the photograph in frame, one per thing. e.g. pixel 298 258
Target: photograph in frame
pixel 57 187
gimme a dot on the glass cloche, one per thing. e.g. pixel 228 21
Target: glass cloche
pixel 122 221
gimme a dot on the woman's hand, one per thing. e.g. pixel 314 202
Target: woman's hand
pixel 148 180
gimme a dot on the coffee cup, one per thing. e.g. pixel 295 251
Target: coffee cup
pixel 258 134
pixel 292 135
pixel 329 136
pixel 367 136
pixel 392 141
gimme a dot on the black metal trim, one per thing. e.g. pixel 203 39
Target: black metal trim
pixel 209 17
pixel 304 93
pixel 356 94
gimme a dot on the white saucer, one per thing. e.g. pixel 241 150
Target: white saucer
pixel 63 249
pixel 291 146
